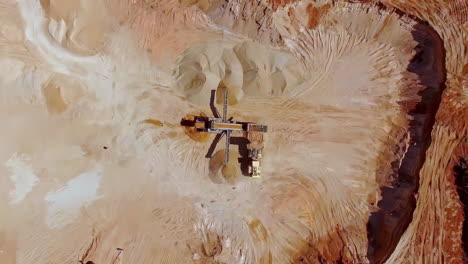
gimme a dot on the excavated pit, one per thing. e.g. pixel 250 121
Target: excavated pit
pixel 461 180
pixel 398 202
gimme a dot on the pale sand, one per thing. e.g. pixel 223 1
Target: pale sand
pixel 75 96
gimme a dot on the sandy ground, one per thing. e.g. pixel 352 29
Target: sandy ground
pixel 93 157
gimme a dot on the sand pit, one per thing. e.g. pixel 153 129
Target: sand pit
pixel 225 173
pixel 193 133
pixel 364 104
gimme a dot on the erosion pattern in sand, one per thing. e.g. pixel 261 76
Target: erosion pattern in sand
pixel 93 157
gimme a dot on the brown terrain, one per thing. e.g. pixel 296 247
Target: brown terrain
pixel 365 159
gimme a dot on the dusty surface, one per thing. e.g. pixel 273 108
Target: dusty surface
pixel 93 156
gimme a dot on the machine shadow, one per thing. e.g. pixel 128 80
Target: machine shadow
pixel 213 145
pixel 187 123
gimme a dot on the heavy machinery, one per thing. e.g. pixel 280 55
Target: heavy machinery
pixel 222 126
pixel 255 168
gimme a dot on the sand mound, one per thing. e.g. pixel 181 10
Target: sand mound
pixel 225 173
pixel 80 26
pixel 245 69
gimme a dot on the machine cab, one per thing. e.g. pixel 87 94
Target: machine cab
pixel 254 169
